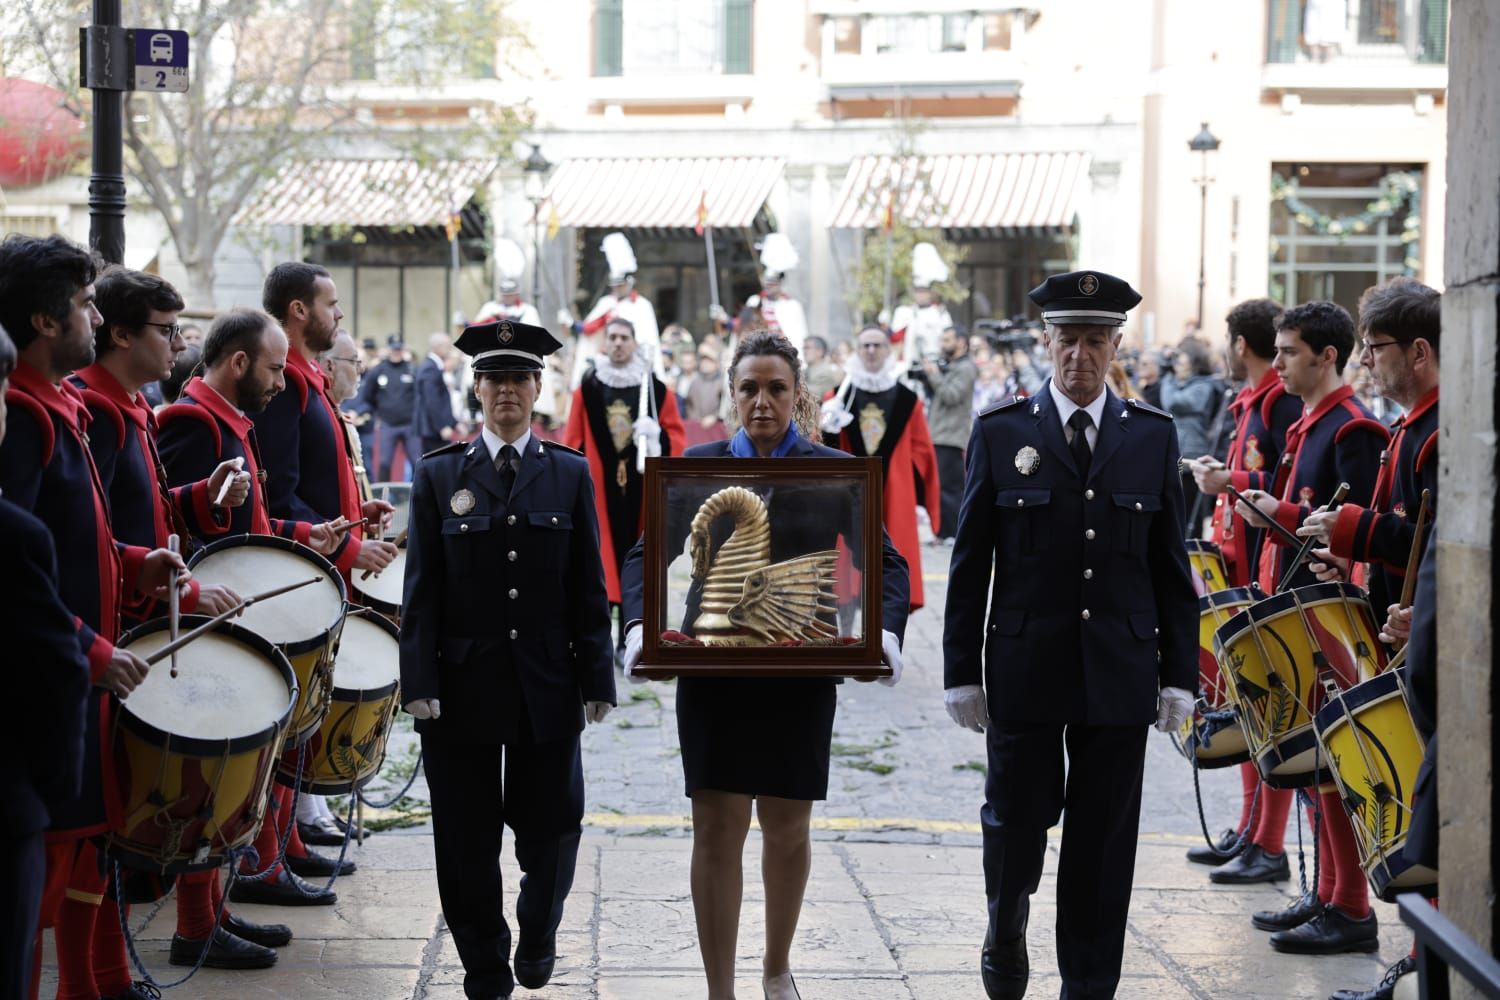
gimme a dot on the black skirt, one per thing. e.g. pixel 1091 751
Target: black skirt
pixel 756 736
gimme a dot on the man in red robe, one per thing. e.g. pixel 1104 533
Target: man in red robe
pixel 608 423
pixel 874 414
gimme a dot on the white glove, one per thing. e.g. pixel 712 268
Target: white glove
pixel 646 427
pixel 966 706
pixel 891 646
pixel 424 708
pixel 717 314
pixel 753 302
pixel 1173 707
pixel 564 317
pixel 834 417
pixel 633 641
pixel 595 711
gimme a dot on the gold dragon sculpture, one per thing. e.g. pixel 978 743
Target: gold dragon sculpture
pixel 745 599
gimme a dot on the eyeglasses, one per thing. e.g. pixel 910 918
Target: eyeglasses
pixel 1367 347
pixel 171 330
pixel 358 363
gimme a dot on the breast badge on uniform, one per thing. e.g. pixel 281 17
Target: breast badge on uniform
pixel 620 423
pixel 462 502
pixel 872 427
pixel 1028 461
pixel 1254 460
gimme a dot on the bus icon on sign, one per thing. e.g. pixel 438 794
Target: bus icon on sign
pixel 161 47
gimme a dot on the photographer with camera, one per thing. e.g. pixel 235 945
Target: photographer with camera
pixel 950 380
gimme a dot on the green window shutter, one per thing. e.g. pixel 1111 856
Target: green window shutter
pixel 737 31
pixel 609 37
pixel 1434 36
pixel 1283 28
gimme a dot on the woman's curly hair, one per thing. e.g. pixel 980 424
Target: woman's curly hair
pixel 761 342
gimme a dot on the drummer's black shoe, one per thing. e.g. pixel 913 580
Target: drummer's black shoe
pixel 282 889
pixel 1329 933
pixel 1227 847
pixel 323 832
pixel 1298 912
pixel 317 865
pixel 225 952
pixel 1003 967
pixel 1386 988
pixel 360 832
pixel 265 935
pixel 535 961
pixel 1253 865
pixel 137 991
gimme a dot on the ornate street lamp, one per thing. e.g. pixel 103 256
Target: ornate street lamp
pixel 535 168
pixel 1204 142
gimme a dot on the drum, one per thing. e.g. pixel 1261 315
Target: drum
pixel 304 624
pixel 1207 561
pixel 382 592
pixel 1374 750
pixel 1274 653
pixel 191 757
pixel 348 748
pixel 1213 737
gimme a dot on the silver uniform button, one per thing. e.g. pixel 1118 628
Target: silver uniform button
pixel 511 519
pixel 554 520
pixel 1085 618
pixel 1156 631
pixel 463 527
pixel 1088 574
pixel 1137 506
pixel 1020 501
pixel 514 633
pixel 1088 494
pixel 1089 534
pixel 514 593
pixel 511 555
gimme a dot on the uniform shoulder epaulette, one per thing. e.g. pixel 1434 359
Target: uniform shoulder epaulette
pixel 451 446
pixel 1145 407
pixel 1002 406
pixel 559 446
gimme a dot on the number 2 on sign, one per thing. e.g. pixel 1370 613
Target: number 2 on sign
pixel 161 78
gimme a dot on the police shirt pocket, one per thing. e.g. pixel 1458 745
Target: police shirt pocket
pixel 1007 621
pixel 1133 514
pixel 466 525
pixel 1143 624
pixel 550 520
pixel 1022 517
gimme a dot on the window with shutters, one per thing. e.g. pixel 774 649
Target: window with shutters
pixel 1345 31
pixel 666 37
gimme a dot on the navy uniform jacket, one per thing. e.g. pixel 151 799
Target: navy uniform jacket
pixel 504 617
pixel 895 585
pixel 1091 606
pixel 432 408
pixel 389 391
pixel 1339 442
pixel 51 679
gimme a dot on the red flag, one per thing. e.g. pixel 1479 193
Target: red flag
pixel 702 213
pixel 889 221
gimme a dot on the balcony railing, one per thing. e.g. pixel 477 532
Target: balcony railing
pixel 1346 31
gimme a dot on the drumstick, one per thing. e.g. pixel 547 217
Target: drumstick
pixel 1409 585
pixel 339 529
pixel 239 463
pixel 1333 504
pixel 171 648
pixel 174 601
pixel 1271 522
pixel 398 541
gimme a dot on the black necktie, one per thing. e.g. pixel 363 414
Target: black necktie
pixel 1079 446
pixel 505 464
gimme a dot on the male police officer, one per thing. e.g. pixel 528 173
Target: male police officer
pixel 1073 499
pixel 504 652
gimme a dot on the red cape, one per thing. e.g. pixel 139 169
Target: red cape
pixel 577 434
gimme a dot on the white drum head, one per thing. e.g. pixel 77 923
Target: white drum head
pixel 223 689
pixel 368 657
pixel 388 585
pixel 303 614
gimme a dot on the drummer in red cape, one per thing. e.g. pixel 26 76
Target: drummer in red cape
pixel 1336 441
pixel 873 413
pixel 1071 526
pixel 505 653
pixel 47 305
pixel 1263 411
pixel 611 418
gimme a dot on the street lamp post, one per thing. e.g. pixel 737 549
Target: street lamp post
pixel 535 168
pixel 1204 142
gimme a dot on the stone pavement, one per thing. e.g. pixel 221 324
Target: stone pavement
pixel 895 906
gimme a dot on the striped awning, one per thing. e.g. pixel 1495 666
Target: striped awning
pixel 394 192
pixel 999 193
pixel 662 193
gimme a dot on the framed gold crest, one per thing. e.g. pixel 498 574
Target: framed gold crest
pixel 766 567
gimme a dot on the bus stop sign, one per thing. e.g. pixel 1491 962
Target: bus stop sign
pixel 161 59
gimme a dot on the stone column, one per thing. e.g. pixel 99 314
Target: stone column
pixel 1467 682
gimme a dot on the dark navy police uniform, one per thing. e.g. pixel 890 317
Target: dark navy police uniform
pixel 505 622
pixel 1091 611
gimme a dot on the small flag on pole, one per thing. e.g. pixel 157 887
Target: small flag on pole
pixel 454 225
pixel 554 222
pixel 888 221
pixel 702 213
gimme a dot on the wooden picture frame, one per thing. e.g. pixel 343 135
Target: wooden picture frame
pixel 800 490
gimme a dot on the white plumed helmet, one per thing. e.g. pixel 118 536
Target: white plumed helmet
pixel 510 264
pixel 927 267
pixel 619 256
pixel 777 255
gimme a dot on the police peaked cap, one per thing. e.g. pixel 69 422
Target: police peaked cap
pixel 503 346
pixel 1085 297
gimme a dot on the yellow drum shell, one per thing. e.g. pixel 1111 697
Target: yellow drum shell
pixel 348 747
pixel 191 758
pixel 1214 610
pixel 1207 561
pixel 304 623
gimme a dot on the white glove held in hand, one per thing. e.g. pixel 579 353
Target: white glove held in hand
pixel 633 642
pixel 966 706
pixel 565 318
pixel 834 417
pixel 595 711
pixel 1173 707
pixel 424 708
pixel 645 427
pixel 891 646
